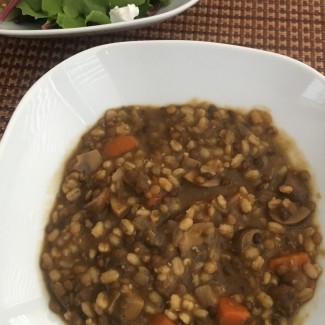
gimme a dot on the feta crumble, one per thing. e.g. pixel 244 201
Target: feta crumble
pixel 126 13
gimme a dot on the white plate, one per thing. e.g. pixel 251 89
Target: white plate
pixel 32 30
pixel 63 103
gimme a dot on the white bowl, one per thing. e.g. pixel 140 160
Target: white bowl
pixel 9 28
pixel 63 104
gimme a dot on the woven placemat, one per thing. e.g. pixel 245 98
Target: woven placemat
pixel 292 27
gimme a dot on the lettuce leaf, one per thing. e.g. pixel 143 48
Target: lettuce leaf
pixel 36 5
pixel 145 8
pixel 73 8
pixel 97 17
pixel 52 8
pixel 28 8
pixel 79 13
pixel 66 21
pixel 123 3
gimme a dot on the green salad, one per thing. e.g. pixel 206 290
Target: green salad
pixel 80 13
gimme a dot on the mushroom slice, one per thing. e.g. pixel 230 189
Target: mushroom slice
pixel 119 207
pixel 189 163
pixel 192 178
pixel 246 237
pixel 98 203
pixel 206 296
pixel 88 162
pixel 132 307
pixel 287 218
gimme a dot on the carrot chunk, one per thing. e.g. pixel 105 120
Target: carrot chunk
pixel 119 146
pixel 160 319
pixel 229 312
pixel 290 260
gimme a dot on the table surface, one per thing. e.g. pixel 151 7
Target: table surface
pixel 291 27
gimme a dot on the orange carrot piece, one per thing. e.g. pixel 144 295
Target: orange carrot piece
pixel 160 319
pixel 120 145
pixel 229 312
pixel 296 259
